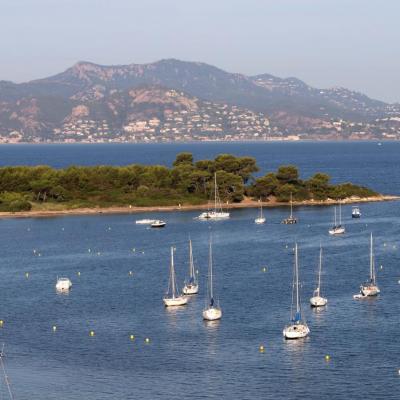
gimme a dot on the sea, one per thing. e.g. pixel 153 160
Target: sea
pixel 139 349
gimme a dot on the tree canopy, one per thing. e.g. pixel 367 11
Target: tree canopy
pixel 187 181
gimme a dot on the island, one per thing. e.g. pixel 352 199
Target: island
pixel 187 184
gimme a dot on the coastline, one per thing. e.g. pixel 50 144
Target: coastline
pixel 246 203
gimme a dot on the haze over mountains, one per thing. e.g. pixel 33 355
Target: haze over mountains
pixel 177 100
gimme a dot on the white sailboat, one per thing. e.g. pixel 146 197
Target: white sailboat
pixel 212 311
pixel 191 285
pixel 317 300
pixel 370 288
pixel 172 297
pixel 260 219
pixel 337 229
pixel 217 213
pixel 291 219
pixel 297 328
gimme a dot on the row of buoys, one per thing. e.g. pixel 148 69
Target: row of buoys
pixel 92 333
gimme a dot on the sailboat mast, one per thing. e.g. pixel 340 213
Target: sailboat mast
pixel 5 374
pixel 320 269
pixel 172 273
pixel 291 205
pixel 297 280
pixel 340 214
pixel 191 266
pixel 371 261
pixel 210 272
pixel 215 191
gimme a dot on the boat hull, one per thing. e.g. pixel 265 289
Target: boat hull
pixel 296 331
pixel 158 224
pixel 318 301
pixel 212 215
pixel 259 221
pixel 190 289
pixel 212 314
pixel 175 301
pixel 337 231
pixel 63 285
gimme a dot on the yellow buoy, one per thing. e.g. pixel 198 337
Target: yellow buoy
pixel 1 323
pixel 130 273
pixel 54 328
pixel 261 349
pixel 147 340
pixel 327 357
pixel 132 337
pixel 91 333
pixel 79 273
pixel 27 274
pixel 264 269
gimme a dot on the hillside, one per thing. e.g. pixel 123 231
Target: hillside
pixel 90 102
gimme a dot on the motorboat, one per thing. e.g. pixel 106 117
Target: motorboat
pixel 63 284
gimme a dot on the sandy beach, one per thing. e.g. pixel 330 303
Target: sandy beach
pixel 246 203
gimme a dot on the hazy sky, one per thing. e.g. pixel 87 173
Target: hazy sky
pixel 350 43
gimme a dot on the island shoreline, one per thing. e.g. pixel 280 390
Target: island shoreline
pixel 247 203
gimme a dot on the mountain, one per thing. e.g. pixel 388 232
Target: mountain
pixel 210 102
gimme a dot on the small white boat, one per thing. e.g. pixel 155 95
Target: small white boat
pixel 172 297
pixel 337 228
pixel 370 288
pixel 213 311
pixel 355 212
pixel 317 300
pixel 260 219
pixel 297 328
pixel 217 213
pixel 291 219
pixel 158 224
pixel 191 285
pixel 145 221
pixel 63 284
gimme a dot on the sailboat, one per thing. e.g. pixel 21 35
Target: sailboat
pixel 217 213
pixel 212 311
pixel 291 219
pixel 337 229
pixel 297 328
pixel 172 297
pixel 260 219
pixel 191 285
pixel 370 288
pixel 317 300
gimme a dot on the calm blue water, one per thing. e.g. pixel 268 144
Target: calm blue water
pixel 187 357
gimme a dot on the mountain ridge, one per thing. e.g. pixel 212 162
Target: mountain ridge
pixel 36 108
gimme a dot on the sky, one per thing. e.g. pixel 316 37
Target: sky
pixel 349 43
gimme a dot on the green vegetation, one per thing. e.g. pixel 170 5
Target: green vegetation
pixel 187 182
pixel 286 181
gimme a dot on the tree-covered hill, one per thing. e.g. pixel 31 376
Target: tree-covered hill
pixel 186 182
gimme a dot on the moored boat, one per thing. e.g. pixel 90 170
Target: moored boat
pixel 298 327
pixel 213 311
pixel 217 213
pixel 317 300
pixel 158 224
pixel 63 284
pixel 172 296
pixel 369 288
